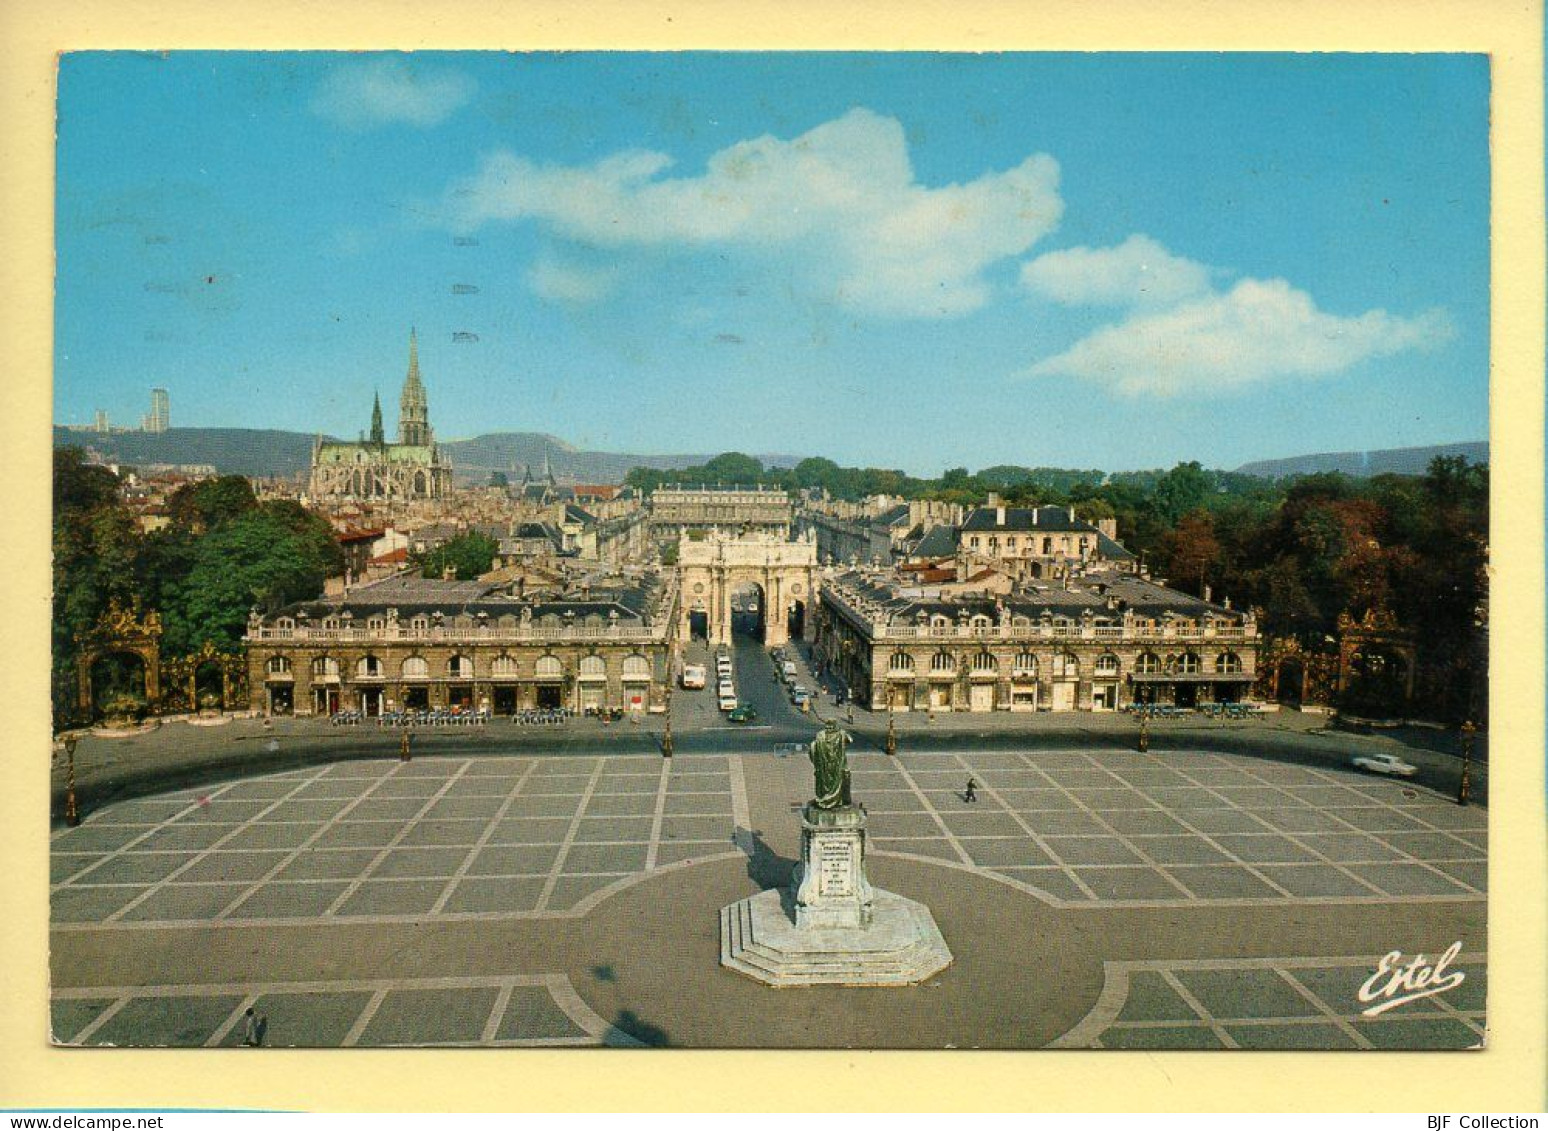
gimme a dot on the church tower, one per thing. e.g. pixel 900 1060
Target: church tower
pixel 414 408
pixel 377 436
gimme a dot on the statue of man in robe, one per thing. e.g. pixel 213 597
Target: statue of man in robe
pixel 830 765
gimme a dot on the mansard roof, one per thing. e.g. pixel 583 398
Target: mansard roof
pixel 1053 520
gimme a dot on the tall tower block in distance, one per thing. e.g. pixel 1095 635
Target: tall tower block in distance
pixel 414 407
pixel 160 418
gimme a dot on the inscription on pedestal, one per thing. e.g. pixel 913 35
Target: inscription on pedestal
pixel 835 868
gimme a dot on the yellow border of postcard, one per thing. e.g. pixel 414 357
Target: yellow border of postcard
pixel 1508 1076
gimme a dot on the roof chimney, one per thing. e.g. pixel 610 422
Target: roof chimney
pixel 999 516
pixel 1207 591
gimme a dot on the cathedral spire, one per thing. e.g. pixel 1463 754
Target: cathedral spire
pixel 414 406
pixel 377 435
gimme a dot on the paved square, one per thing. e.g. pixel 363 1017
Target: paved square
pixel 467 845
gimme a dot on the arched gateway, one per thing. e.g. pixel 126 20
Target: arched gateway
pixel 714 569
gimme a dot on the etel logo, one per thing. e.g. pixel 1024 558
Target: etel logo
pixel 1395 984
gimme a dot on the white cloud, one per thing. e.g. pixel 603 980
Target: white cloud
pixel 840 201
pixel 377 92
pixel 568 282
pixel 1260 330
pixel 1138 272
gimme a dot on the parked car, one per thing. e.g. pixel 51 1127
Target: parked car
pixel 1384 764
pixel 728 701
pixel 744 713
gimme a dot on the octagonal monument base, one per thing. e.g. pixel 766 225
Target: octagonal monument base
pixel 831 927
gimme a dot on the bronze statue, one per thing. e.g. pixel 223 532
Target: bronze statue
pixel 830 765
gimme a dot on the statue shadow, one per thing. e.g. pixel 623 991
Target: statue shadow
pixel 765 867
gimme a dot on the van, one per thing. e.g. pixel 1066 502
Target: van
pixel 694 677
pixel 727 700
pixel 788 670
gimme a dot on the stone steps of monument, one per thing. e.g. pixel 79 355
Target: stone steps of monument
pixel 898 965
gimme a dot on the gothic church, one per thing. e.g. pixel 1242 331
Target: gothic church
pixel 373 469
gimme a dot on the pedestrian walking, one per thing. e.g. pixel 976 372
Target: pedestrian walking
pixel 250 1028
pixel 970 795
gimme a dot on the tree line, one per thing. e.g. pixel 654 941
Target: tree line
pixel 222 553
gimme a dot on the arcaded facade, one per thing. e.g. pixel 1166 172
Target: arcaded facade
pixel 409 642
pixel 1092 643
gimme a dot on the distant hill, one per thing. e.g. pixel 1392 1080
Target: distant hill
pixel 261 452
pixel 503 451
pixel 232 451
pixel 1387 461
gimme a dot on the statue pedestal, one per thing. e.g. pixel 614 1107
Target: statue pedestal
pixel 829 883
pixel 830 927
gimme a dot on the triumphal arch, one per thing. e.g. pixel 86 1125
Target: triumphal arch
pixel 720 567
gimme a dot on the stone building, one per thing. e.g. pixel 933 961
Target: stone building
pixel 1094 642
pixel 373 469
pixel 777 578
pixel 676 511
pixel 600 640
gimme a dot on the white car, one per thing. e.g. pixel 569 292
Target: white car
pixel 1384 764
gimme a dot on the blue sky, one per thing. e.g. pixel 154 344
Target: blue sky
pixel 912 261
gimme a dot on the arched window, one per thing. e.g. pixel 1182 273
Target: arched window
pixel 943 662
pixel 503 666
pixel 1025 664
pixel 980 621
pixel 1065 664
pixel 285 623
pixel 985 662
pixel 1107 664
pixel 415 667
pixel 1228 662
pixel 636 668
pixel 376 624
pixel 1188 663
pixel 460 667
pixel 593 667
pixel 330 622
pixel 901 662
pixel 279 665
pixel 325 667
pixel 549 667
pixel 419 623
pixel 368 667
pixel 1148 664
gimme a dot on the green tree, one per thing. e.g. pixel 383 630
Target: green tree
pixel 1185 488
pixel 270 556
pixel 733 468
pixel 208 503
pixel 468 556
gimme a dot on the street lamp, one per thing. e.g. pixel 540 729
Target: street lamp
pixel 72 815
pixel 1465 786
pixel 666 734
pixel 892 732
pixel 1144 732
pixel 404 754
